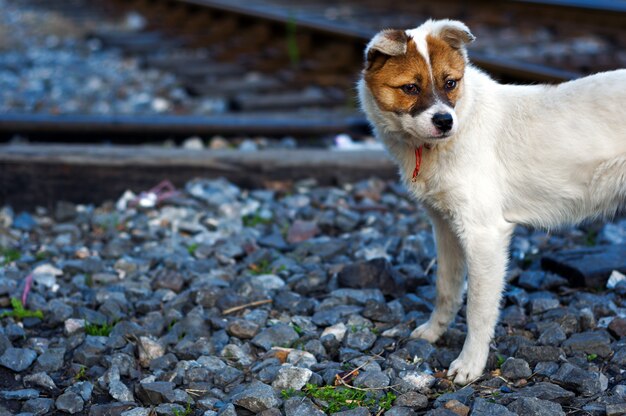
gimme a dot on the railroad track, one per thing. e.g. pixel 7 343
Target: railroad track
pixel 277 72
pixel 285 71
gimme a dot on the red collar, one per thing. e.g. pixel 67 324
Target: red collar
pixel 418 160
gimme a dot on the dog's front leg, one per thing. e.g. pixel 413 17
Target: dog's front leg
pixel 450 273
pixel 486 251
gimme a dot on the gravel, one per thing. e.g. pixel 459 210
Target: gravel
pixel 195 309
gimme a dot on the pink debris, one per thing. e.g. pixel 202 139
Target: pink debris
pixel 163 191
pixel 27 285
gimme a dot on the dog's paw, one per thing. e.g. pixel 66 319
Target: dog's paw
pixel 430 333
pixel 466 370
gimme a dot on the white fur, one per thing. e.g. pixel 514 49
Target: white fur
pixel 537 155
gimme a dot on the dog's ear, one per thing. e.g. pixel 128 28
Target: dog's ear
pixel 389 42
pixel 455 33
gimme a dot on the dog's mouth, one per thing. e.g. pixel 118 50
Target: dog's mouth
pixel 417 139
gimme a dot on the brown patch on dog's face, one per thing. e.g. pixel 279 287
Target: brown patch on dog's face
pixel 386 81
pixel 388 76
pixel 448 66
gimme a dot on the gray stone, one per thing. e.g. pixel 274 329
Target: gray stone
pixel 462 395
pixel 543 304
pixel 40 379
pixel 39 406
pixel 541 390
pixel 513 315
pixel 242 328
pixel 279 335
pixel 169 409
pixel 24 221
pixel 137 411
pixel 361 340
pixel 360 296
pixel 515 368
pixel 584 382
pixel 334 315
pixel 155 392
pixel 82 388
pixel 440 411
pixel 5 343
pixel 590 342
pixel 289 377
pixel 412 399
pixel 120 392
pixel 256 397
pixel 402 411
pixel 537 353
pixel 536 407
pixel 57 312
pixel 531 280
pixel 228 410
pixel 17 359
pixel 90 352
pixel 616 409
pixel 70 402
pixel 619 358
pixel 553 334
pixel 228 376
pixel 358 411
pixel 372 274
pixel 270 412
pixel 23 394
pixel 110 409
pixel 372 379
pixel 298 406
pixel 149 350
pixel 483 407
pixel 588 266
pixel 546 368
pixel 517 296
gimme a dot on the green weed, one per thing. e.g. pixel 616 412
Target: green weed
pixel 591 238
pixel 19 312
pixel 42 255
pixel 191 248
pixel 262 267
pixel 252 220
pixel 292 42
pixel 340 398
pixel 185 412
pixel 591 357
pixel 98 330
pixel 9 255
pixel 500 359
pixel 80 375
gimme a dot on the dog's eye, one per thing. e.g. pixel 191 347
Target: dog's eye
pixel 410 89
pixel 450 84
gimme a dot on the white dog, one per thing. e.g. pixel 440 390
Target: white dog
pixel 482 157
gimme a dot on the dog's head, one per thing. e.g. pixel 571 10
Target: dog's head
pixel 415 78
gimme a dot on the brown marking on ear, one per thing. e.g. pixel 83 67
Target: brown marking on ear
pixel 447 63
pixel 456 37
pixel 389 42
pixel 384 81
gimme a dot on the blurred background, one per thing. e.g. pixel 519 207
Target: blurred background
pixel 247 75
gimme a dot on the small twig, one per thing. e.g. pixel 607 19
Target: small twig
pixel 196 392
pixel 430 266
pixel 247 305
pixel 343 383
pixel 343 379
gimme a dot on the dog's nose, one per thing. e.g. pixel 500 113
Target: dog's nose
pixel 443 121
